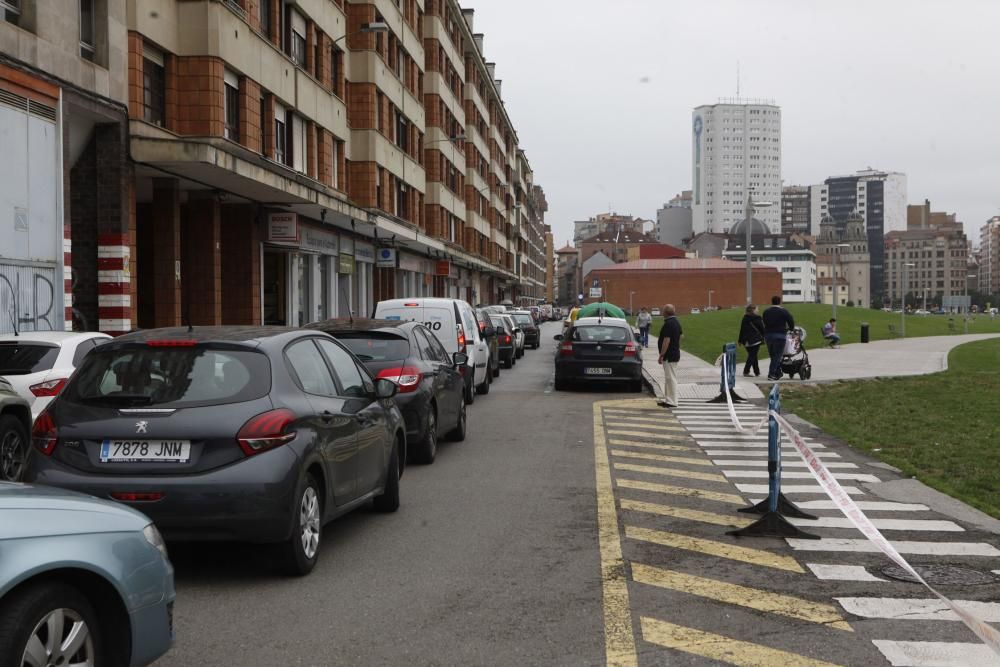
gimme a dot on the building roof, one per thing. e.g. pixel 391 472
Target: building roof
pixel 680 265
pixel 566 249
pixel 624 236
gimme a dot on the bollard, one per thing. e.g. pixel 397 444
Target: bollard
pixel 727 376
pixel 776 506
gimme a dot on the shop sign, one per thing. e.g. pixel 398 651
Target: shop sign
pixel 386 257
pixel 320 241
pixel 283 227
pixel 364 252
pixel 412 263
pixel 346 264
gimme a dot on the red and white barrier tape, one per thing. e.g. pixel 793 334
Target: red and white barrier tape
pixel 732 410
pixel 989 635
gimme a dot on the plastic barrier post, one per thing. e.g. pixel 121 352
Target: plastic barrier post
pixel 776 506
pixel 729 370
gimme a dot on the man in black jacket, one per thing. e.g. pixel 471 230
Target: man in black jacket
pixel 777 323
pixel 669 346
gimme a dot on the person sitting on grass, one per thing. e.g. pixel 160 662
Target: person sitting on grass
pixel 830 332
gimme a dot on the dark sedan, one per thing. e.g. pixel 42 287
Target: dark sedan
pixel 506 343
pixel 598 349
pixel 529 326
pixel 430 382
pixel 226 433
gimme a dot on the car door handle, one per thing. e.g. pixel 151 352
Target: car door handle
pixel 327 416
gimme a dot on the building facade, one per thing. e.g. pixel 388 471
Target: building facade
pixel 940 264
pixel 567 275
pixel 615 244
pixel 919 216
pixel 673 221
pixel 989 256
pixel 606 223
pixel 796 210
pixel 795 262
pixel 736 151
pixel 843 263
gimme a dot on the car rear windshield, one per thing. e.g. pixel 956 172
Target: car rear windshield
pixel 600 334
pixel 523 319
pixel 24 358
pixel 375 346
pixel 170 376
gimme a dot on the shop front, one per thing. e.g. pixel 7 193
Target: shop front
pixel 300 271
pixel 414 277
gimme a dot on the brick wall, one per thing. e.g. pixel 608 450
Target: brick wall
pixel 135 66
pixel 201 95
pixel 363 184
pixel 240 238
pixel 201 262
pixel 250 114
pixel 361 105
pixel 687 288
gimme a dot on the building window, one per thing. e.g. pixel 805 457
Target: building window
pixel 231 128
pixel 298 127
pixel 10 11
pixel 263 124
pixel 402 197
pixel 337 71
pixel 401 130
pixel 280 135
pixel 264 14
pixel 153 89
pixel 87 30
pixel 297 44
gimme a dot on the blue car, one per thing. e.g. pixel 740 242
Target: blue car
pixel 83 581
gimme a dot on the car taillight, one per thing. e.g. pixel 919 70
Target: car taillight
pixel 406 378
pixel 48 388
pixel 43 434
pixel 136 496
pixel 506 339
pixel 566 350
pixel 629 349
pixel 266 431
pixel 461 339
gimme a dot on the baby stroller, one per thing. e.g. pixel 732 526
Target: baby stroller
pixel 795 359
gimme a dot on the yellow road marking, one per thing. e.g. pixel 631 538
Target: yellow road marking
pixel 719 647
pixel 730 498
pixel 662 457
pixel 712 548
pixel 683 513
pixel 644 427
pixel 619 641
pixel 670 472
pixel 743 596
pixel 618 442
pixel 643 434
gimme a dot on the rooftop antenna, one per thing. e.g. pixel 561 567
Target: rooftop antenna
pixel 737 79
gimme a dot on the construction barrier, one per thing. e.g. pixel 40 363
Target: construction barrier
pixel 727 376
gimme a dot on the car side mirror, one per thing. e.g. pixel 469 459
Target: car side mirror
pixel 385 388
pixel 460 358
pixel 517 330
pixel 489 332
pixel 557 337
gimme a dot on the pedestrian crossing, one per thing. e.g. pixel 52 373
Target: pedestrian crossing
pixel 678 477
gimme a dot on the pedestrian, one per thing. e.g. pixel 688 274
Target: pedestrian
pixel 830 332
pixel 644 321
pixel 751 338
pixel 669 346
pixel 777 323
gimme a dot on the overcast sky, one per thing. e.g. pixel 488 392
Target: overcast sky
pixel 601 93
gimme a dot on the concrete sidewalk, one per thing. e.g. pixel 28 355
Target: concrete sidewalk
pixel 695 378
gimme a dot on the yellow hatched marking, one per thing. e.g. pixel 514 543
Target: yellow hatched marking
pixel 645 412
pixel 670 472
pixel 732 499
pixel 719 647
pixel 712 548
pixel 644 427
pixel 646 434
pixel 646 420
pixel 662 457
pixel 742 596
pixel 683 513
pixel 618 442
pixel 619 642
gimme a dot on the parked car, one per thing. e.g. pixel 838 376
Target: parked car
pixel 506 342
pixel 15 425
pixel 38 363
pixel 226 433
pixel 94 571
pixel 696 311
pixel 518 334
pixel 490 334
pixel 431 387
pixel 601 349
pixel 526 322
pixel 655 312
pixel 454 323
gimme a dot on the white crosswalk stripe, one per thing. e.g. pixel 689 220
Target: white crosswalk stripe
pixel 788 474
pixel 912 609
pixel 924 525
pixel 902 546
pixel 832 465
pixel 754 451
pixel 863 505
pixel 795 488
pixel 935 654
pixel 841 572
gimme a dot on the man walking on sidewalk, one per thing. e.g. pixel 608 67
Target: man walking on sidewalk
pixel 643 322
pixel 669 347
pixel 777 323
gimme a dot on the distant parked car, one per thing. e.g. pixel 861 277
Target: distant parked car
pixel 655 312
pixel 598 349
pixel 921 311
pixel 93 571
pixel 15 425
pixel 430 382
pixel 506 342
pixel 38 363
pixel 258 434
pixel 696 311
pixel 489 334
pixel 518 334
pixel 529 326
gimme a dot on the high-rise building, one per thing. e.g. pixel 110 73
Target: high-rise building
pixel 796 209
pixel 989 256
pixel 736 150
pixel 673 221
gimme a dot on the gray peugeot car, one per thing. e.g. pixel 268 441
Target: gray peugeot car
pixel 226 433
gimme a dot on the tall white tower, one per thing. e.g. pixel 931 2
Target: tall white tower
pixel 736 149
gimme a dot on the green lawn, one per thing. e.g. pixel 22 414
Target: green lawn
pixel 704 334
pixel 943 429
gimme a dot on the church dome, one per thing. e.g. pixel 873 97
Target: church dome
pixel 757 228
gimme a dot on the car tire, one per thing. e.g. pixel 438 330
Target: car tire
pixel 484 388
pixel 426 450
pixel 509 362
pixel 301 551
pixel 561 384
pixel 636 386
pixel 25 613
pixel 13 448
pixel 496 369
pixel 388 500
pixel 457 434
pixel 470 391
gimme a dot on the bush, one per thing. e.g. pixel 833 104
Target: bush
pixel 850 304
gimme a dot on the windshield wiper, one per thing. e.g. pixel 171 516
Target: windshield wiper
pixel 364 357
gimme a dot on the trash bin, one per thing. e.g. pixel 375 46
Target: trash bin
pixel 864 332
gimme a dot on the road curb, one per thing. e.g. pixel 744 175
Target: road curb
pixel 648 379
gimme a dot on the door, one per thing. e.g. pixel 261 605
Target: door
pixel 357 391
pixel 275 288
pixel 435 368
pixel 476 346
pixel 450 381
pixel 337 431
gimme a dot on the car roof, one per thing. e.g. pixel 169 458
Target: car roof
pixel 51 337
pixel 421 301
pixel 346 325
pixel 229 334
pixel 613 321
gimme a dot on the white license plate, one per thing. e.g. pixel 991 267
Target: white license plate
pixel 139 451
pixel 597 371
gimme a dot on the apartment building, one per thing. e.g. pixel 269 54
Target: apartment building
pixel 606 223
pixel 673 220
pixel 940 263
pixel 989 253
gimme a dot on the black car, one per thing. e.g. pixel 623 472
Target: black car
pixel 598 349
pixel 525 320
pixel 226 433
pixel 506 343
pixel 490 335
pixel 430 382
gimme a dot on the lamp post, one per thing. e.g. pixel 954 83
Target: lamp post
pixel 902 311
pixel 967 276
pixel 926 290
pixel 630 311
pixel 752 206
pixel 836 285
pixel 374 26
pixel 710 299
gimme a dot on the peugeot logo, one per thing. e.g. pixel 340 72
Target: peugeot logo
pixel 140 427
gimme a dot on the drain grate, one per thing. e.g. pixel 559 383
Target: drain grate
pixel 942 575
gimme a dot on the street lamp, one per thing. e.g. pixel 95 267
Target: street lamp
pixel 458 137
pixel 710 300
pixel 375 26
pixel 836 287
pixel 902 311
pixel 630 311
pixel 752 206
pixel 967 276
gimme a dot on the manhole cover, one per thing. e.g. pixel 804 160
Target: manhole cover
pixel 942 575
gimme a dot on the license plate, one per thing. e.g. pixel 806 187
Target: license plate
pixel 597 371
pixel 139 451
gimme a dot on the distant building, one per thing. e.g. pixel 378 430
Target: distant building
pixel 606 223
pixel 596 261
pixel 843 263
pixel 707 245
pixel 550 266
pixel 614 244
pixel 567 268
pixel 654 251
pixel 673 221
pixel 989 256
pixel 796 209
pixel 940 256
pixel 796 263
pixel 920 216
pixel 735 150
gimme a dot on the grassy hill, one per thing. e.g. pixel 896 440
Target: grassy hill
pixel 704 334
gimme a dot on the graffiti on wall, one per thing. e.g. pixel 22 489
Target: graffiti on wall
pixel 28 298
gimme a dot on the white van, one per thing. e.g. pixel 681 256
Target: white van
pixel 454 323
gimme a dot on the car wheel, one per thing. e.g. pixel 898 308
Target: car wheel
pixel 484 388
pixel 496 369
pixel 388 500
pixel 426 449
pixel 302 549
pixel 561 384
pixel 458 433
pixel 470 391
pixel 509 362
pixel 13 448
pixel 637 386
pixel 50 623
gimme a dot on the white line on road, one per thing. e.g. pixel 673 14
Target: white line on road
pixel 755 451
pixel 867 505
pixel 795 488
pixel 787 474
pixel 935 654
pixel 903 547
pixel 910 609
pixel 784 464
pixel 925 525
pixel 841 572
